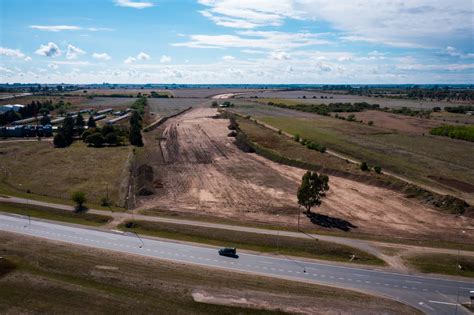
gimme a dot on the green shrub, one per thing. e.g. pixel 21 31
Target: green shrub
pixel 378 169
pixel 364 167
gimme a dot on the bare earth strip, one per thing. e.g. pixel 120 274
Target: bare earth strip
pixel 204 172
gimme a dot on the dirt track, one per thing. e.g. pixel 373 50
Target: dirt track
pixel 202 171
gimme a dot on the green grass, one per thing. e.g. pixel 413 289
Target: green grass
pixel 55 214
pixel 253 241
pixel 48 172
pixel 62 280
pixel 443 264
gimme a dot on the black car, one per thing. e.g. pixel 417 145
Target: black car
pixel 229 252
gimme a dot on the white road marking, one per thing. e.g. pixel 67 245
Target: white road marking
pixel 441 302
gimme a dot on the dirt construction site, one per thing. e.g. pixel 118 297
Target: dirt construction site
pixel 191 166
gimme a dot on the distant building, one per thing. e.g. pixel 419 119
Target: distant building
pixel 470 113
pixel 8 107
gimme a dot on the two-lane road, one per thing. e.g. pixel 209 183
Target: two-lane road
pixel 430 294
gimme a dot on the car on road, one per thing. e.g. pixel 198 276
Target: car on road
pixel 229 252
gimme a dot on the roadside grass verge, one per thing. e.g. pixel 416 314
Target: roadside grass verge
pixel 55 214
pixel 442 264
pixel 423 241
pixel 68 275
pixel 37 170
pixel 252 241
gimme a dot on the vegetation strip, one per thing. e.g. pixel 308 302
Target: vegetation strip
pixel 253 241
pixel 55 214
pixel 443 264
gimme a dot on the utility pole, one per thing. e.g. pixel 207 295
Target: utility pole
pixel 143 244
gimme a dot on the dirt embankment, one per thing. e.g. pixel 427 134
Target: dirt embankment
pixel 200 170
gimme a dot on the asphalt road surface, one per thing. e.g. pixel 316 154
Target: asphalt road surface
pixel 432 295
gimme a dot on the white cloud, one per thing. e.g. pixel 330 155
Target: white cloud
pixel 59 28
pixel 15 53
pixel 55 28
pixel 250 39
pixel 453 52
pixel 129 60
pixel 280 55
pixel 27 58
pixel 73 52
pixel 165 59
pixel 101 56
pixel 228 58
pixel 49 50
pixel 143 56
pixel 53 66
pixel 134 4
pixel 248 14
pixel 414 23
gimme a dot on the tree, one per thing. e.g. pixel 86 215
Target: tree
pixel 296 137
pixel 312 187
pixel 79 198
pixel 378 169
pixel 135 119
pixel 45 120
pixel 68 129
pixel 80 123
pixel 135 136
pixel 214 104
pixel 364 167
pixel 60 141
pixel 91 122
pixel 111 138
pixel 96 139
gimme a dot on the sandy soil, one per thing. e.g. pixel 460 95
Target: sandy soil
pixel 201 170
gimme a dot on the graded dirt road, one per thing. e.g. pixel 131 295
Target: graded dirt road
pixel 201 171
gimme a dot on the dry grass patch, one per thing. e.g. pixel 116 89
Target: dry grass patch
pixel 43 170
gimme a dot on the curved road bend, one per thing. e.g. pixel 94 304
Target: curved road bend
pixel 429 294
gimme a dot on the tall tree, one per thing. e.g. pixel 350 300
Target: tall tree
pixel 68 129
pixel 91 122
pixel 80 123
pixel 313 186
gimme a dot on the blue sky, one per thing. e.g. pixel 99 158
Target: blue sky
pixel 243 41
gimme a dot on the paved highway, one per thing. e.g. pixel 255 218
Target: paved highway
pixel 429 294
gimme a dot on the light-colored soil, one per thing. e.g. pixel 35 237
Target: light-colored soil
pixel 202 171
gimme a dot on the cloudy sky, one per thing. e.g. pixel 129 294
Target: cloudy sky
pixel 237 41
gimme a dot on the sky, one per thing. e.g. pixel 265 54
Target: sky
pixel 237 41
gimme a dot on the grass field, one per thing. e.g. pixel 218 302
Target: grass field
pixel 70 280
pixel 443 264
pixel 55 214
pixel 411 155
pixel 253 241
pixel 43 170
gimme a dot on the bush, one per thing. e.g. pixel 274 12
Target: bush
pixel 370 123
pixel 351 117
pixel 377 169
pixel 364 167
pixel 60 141
pixel 111 138
pixel 296 137
pixel 96 139
pixel 455 132
pixel 214 104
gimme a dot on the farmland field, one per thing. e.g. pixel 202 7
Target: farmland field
pixel 43 170
pixel 169 106
pixel 314 97
pixel 411 155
